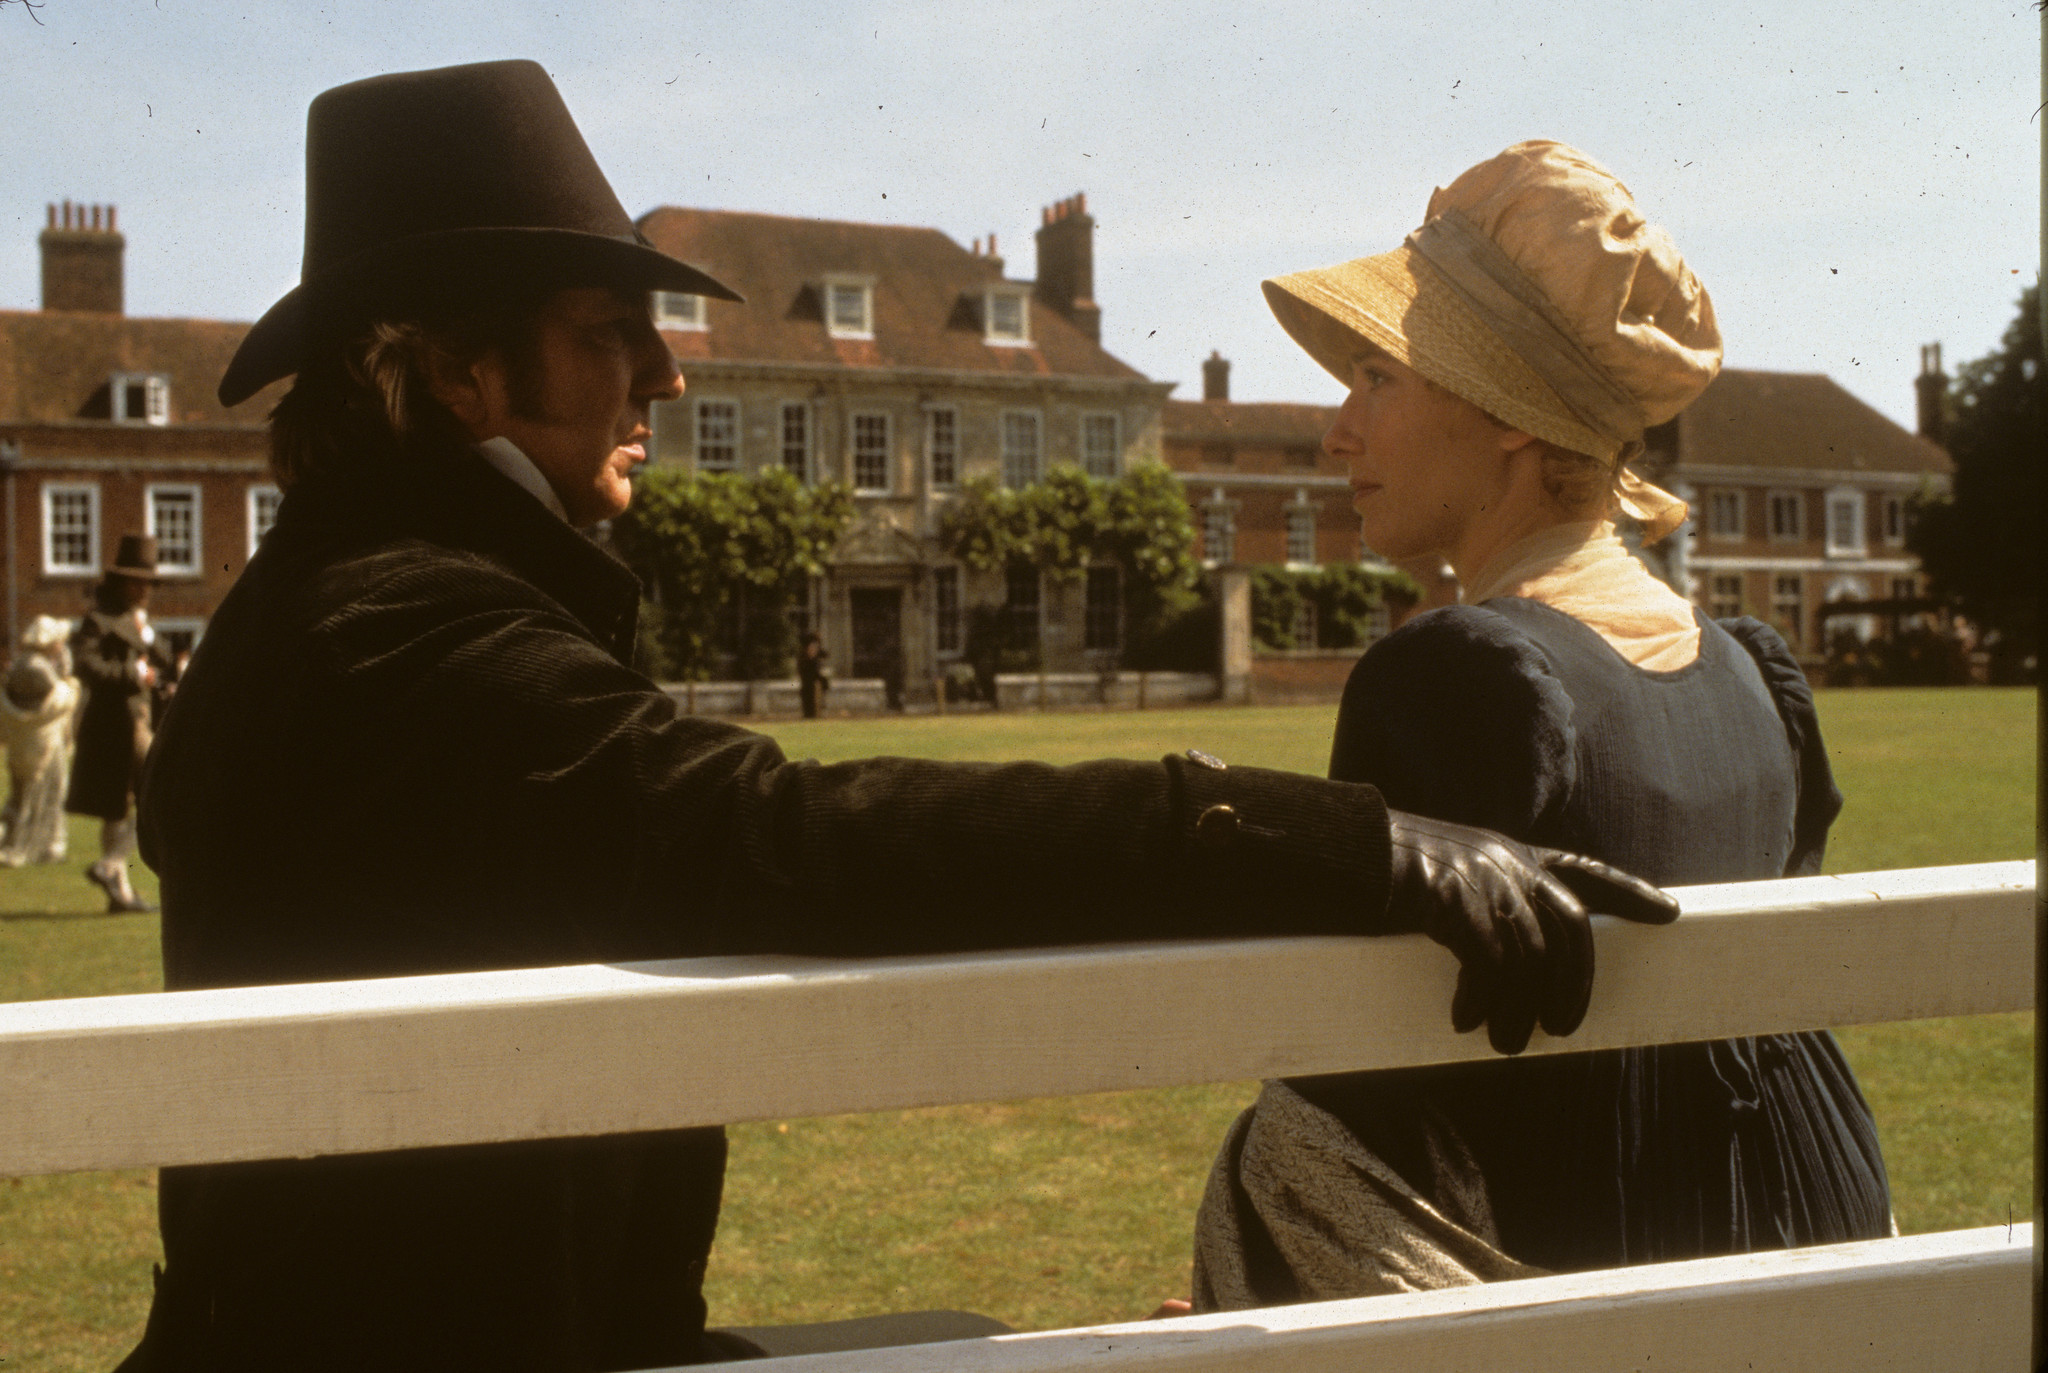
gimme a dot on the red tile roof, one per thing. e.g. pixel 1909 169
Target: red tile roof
pixel 1217 421
pixel 927 297
pixel 55 365
pixel 1797 420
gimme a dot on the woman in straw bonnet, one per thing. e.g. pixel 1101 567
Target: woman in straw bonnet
pixel 1503 364
pixel 36 708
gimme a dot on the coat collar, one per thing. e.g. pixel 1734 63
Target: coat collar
pixel 448 495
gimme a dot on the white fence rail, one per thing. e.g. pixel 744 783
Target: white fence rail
pixel 341 1067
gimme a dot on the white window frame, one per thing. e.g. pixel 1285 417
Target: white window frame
pixel 933 416
pixel 156 402
pixel 1304 630
pixel 1853 503
pixel 1737 506
pixel 1301 512
pixel 806 446
pixel 150 495
pixel 1094 577
pixel 1115 465
pixel 1219 530
pixel 996 338
pixel 944 576
pixel 252 501
pixel 679 311
pixel 697 441
pixel 1011 459
pixel 829 290
pixel 853 453
pixel 90 567
pixel 1797 501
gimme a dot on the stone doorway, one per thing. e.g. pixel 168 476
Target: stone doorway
pixel 877 613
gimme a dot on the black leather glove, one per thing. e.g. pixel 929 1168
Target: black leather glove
pixel 1515 915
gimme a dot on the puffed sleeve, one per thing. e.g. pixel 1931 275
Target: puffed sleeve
pixel 1819 800
pixel 1456 715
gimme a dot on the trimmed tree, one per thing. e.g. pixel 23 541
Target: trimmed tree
pixel 726 559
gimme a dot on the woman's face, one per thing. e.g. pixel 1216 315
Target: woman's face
pixel 1425 465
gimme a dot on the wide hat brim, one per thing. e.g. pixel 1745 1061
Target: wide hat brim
pixel 449 184
pixel 278 343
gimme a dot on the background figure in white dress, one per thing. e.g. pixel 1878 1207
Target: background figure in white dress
pixel 38 704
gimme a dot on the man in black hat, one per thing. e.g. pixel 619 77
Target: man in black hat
pixel 121 664
pixel 410 744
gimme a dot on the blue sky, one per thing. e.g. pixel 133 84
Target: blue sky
pixel 1850 181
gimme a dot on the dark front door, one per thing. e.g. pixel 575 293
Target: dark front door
pixel 878 633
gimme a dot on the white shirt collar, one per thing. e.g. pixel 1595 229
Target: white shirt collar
pixel 504 455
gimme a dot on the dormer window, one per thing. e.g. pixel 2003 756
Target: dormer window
pixel 141 397
pixel 678 310
pixel 1006 315
pixel 849 307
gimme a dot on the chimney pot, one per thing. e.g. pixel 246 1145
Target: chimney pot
pixel 82 252
pixel 1216 377
pixel 1931 391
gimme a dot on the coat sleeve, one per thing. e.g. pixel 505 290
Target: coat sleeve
pixel 570 782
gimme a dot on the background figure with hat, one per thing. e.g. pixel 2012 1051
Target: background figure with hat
pixel 1503 365
pixel 123 668
pixel 36 720
pixel 411 743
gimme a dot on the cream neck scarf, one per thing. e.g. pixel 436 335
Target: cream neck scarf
pixel 1584 571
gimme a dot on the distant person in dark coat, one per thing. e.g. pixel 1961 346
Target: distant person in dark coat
pixel 410 743
pixel 121 663
pixel 812 680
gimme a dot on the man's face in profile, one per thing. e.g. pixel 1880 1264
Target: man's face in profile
pixel 577 403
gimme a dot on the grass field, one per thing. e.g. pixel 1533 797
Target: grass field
pixel 1062 1212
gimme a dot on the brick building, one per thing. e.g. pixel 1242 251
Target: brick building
pixel 109 425
pixel 901 363
pixel 1799 496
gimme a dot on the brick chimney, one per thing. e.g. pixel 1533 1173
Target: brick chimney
pixel 1216 377
pixel 82 259
pixel 1932 388
pixel 1066 263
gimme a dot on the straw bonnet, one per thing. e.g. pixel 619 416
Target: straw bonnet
pixel 1537 291
pixel 413 176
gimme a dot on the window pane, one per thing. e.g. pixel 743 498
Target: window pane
pixel 942 444
pixel 1788 608
pixel 849 309
pixel 68 526
pixel 1301 536
pixel 1099 445
pixel 796 440
pixel 1020 448
pixel 871 452
pixel 1006 315
pixel 1104 604
pixel 263 503
pixel 718 435
pixel 946 609
pixel 1726 598
pixel 1021 605
pixel 1304 627
pixel 1218 534
pixel 677 307
pixel 174 520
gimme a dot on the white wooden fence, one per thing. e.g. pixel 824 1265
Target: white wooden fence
pixel 268 1072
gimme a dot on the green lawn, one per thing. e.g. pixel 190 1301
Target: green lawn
pixel 1061 1212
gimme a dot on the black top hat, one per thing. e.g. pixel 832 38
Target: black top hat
pixel 135 558
pixel 441 166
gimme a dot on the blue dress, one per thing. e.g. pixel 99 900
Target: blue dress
pixel 1517 717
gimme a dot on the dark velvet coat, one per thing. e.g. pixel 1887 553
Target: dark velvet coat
pixel 409 744
pixel 114 718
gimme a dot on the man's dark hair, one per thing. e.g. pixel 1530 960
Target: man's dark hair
pixel 364 387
